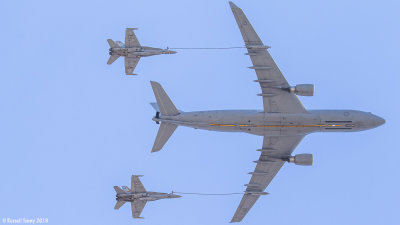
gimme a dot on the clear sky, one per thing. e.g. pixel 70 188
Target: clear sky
pixel 72 126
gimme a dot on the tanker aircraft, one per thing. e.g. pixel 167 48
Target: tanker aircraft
pixel 282 123
pixel 138 196
pixel 132 51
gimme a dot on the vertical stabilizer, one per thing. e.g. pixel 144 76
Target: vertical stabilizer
pixel 166 106
pixel 126 189
pixel 164 133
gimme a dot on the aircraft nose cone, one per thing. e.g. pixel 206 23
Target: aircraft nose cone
pixel 379 121
pixel 166 51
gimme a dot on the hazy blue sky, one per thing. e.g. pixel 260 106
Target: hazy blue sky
pixel 72 126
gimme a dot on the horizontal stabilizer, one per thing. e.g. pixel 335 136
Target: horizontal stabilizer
pixel 112 59
pixel 166 106
pixel 164 133
pixel 112 43
pixel 119 204
pixel 119 190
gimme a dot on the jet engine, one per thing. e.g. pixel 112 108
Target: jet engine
pixel 302 159
pixel 303 89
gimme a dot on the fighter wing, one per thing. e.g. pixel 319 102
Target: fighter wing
pixel 137 208
pixel 273 151
pixel 270 78
pixel 136 184
pixel 131 39
pixel 130 64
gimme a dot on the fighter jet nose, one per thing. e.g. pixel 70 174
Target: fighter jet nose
pixel 169 52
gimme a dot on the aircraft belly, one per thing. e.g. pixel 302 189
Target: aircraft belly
pixel 119 51
pixel 254 122
pixel 300 124
pixel 148 199
pixel 207 126
pixel 218 120
pixel 343 120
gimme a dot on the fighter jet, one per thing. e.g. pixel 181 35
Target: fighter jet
pixel 282 123
pixel 132 51
pixel 138 196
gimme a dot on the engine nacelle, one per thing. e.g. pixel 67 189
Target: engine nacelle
pixel 303 89
pixel 302 159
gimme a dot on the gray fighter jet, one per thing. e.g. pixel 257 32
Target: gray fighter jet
pixel 282 123
pixel 138 196
pixel 132 51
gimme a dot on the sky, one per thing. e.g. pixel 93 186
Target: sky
pixel 72 126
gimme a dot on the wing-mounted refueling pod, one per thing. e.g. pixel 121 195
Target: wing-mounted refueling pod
pixel 299 159
pixel 303 89
pixel 302 159
pixel 300 89
pixel 256 193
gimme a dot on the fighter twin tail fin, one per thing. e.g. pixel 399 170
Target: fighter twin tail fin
pixel 112 57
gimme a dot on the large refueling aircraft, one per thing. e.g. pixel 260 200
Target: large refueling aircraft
pixel 132 51
pixel 282 123
pixel 138 196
